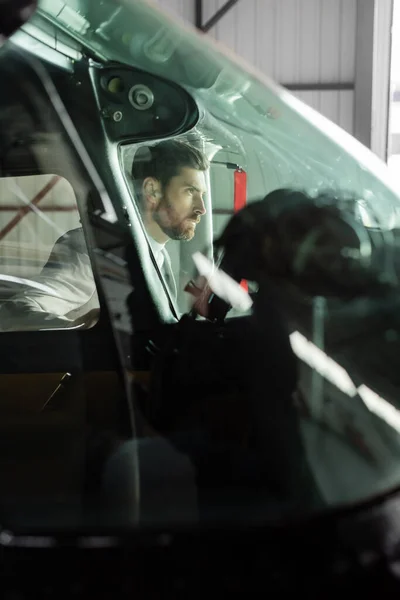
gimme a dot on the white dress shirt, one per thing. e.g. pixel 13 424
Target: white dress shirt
pixel 163 261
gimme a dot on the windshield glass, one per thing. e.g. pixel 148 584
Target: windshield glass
pixel 265 382
pixel 245 121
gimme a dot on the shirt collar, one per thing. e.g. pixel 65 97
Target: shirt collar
pixel 157 250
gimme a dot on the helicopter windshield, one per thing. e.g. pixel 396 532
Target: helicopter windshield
pixel 245 122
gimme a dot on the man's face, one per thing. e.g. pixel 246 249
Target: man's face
pixel 181 204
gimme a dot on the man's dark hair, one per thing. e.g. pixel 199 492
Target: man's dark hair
pixel 164 161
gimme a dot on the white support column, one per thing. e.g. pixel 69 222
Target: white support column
pixel 381 77
pixel 372 73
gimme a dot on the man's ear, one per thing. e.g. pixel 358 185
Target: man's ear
pixel 151 190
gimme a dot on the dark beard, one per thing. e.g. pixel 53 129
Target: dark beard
pixel 181 236
pixel 175 232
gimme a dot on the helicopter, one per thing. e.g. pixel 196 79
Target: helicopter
pixel 255 411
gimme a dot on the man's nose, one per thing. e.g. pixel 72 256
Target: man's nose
pixel 200 208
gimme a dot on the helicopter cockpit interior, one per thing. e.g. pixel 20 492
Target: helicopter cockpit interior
pixel 266 387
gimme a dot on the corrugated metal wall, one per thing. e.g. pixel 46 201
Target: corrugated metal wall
pixel 293 41
pixel 296 42
pixel 184 9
